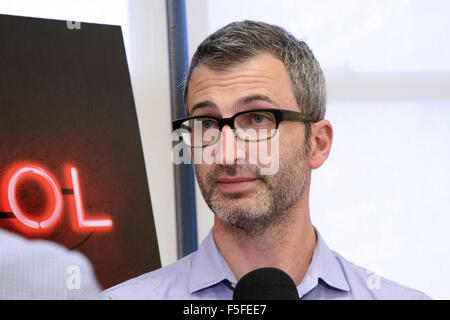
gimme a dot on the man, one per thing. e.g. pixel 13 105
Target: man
pixel 41 269
pixel 250 83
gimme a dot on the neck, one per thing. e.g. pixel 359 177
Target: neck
pixel 288 246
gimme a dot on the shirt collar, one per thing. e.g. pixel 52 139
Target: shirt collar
pixel 325 266
pixel 209 268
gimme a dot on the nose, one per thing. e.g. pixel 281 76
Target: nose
pixel 228 150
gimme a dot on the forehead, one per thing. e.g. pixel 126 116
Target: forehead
pixel 264 75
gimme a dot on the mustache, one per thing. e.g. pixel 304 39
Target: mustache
pixel 235 170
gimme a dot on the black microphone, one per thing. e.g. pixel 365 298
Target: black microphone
pixel 266 284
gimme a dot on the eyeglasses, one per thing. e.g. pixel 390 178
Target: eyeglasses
pixel 249 126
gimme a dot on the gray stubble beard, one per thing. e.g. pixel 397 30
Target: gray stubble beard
pixel 270 206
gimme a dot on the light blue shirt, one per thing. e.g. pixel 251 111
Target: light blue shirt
pixel 43 270
pixel 204 274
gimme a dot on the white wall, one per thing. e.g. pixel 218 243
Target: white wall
pixel 382 198
pixel 149 64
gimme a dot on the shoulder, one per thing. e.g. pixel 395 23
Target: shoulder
pixel 40 269
pixel 20 248
pixel 169 282
pixel 365 284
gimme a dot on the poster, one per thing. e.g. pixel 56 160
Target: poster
pixel 71 162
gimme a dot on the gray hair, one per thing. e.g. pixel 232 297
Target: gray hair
pixel 241 41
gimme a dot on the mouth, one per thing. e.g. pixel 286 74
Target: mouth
pixel 236 184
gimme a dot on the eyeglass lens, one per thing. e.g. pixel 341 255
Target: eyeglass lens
pixel 249 126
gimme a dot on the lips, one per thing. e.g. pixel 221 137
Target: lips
pixel 236 184
pixel 235 180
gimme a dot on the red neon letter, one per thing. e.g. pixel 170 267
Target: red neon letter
pixel 15 207
pixel 82 223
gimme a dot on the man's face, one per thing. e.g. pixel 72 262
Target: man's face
pixel 234 188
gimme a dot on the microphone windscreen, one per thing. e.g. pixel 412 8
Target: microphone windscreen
pixel 266 284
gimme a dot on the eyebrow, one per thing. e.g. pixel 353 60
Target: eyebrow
pixel 242 102
pixel 256 97
pixel 203 104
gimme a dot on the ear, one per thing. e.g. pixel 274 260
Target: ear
pixel 321 140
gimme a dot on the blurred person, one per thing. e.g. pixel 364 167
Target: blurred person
pixel 43 270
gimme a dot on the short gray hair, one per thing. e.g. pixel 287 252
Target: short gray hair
pixel 241 41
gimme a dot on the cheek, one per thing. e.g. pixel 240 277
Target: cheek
pixel 292 138
pixel 293 155
pixel 204 156
pixel 291 132
pixel 199 171
pixel 204 174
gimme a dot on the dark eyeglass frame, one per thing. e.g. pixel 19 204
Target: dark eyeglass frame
pixel 280 115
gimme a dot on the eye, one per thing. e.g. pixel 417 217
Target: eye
pixel 259 118
pixel 207 124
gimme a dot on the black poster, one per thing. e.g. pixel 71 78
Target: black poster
pixel 71 161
